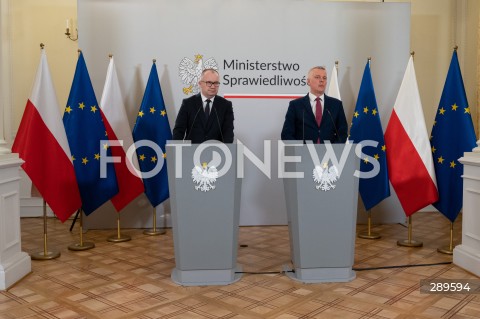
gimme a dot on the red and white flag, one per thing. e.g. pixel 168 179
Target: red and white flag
pixel 409 155
pixel 42 143
pixel 130 183
pixel 333 87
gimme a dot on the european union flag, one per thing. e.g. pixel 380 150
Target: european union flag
pixel 452 135
pixel 152 125
pixel 85 131
pixel 366 126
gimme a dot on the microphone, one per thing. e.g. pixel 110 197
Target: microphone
pixel 333 122
pixel 303 125
pixel 218 122
pixel 194 118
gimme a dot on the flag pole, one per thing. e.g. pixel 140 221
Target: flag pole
pixel 368 234
pixel 45 255
pixel 448 250
pixel 119 237
pixel 409 242
pixel 82 245
pixel 154 231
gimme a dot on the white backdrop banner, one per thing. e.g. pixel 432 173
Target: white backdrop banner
pixel 263 50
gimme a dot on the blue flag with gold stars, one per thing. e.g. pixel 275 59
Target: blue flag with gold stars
pixel 452 135
pixel 366 126
pixel 152 125
pixel 85 130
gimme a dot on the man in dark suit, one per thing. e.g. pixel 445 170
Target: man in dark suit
pixel 316 117
pixel 205 116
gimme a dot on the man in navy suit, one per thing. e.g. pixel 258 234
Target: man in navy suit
pixel 316 117
pixel 205 116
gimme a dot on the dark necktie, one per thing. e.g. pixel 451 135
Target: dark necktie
pixel 318 114
pixel 318 111
pixel 207 109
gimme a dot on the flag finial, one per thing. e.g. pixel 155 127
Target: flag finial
pixel 42 46
pixel 110 55
pixel 412 53
pixel 154 60
pixel 455 48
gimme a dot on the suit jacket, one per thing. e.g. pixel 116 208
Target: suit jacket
pixel 300 123
pixel 191 123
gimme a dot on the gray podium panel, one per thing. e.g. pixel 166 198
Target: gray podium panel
pixel 204 220
pixel 322 222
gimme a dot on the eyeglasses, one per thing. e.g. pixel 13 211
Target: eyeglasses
pixel 210 83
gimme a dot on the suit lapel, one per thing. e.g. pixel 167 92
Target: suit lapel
pixel 309 116
pixel 199 103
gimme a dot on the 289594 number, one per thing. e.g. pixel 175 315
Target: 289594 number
pixel 449 286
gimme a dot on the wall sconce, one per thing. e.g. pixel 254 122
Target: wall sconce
pixel 69 35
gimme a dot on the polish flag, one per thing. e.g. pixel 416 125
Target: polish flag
pixel 333 87
pixel 129 181
pixel 409 156
pixel 42 143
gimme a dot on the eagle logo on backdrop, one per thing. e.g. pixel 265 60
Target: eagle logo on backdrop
pixel 325 177
pixel 204 177
pixel 190 72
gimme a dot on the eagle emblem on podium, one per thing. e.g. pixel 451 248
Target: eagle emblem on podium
pixel 325 177
pixel 204 177
pixel 191 71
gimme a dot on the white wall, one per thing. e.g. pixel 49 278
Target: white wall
pixel 305 33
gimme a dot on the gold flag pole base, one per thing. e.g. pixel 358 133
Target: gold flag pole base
pixel 120 237
pixel 45 255
pixel 368 234
pixel 409 242
pixel 445 250
pixel 449 249
pixel 81 245
pixel 155 231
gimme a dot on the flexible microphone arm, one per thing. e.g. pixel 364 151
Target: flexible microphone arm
pixel 333 122
pixel 190 130
pixel 303 125
pixel 218 122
